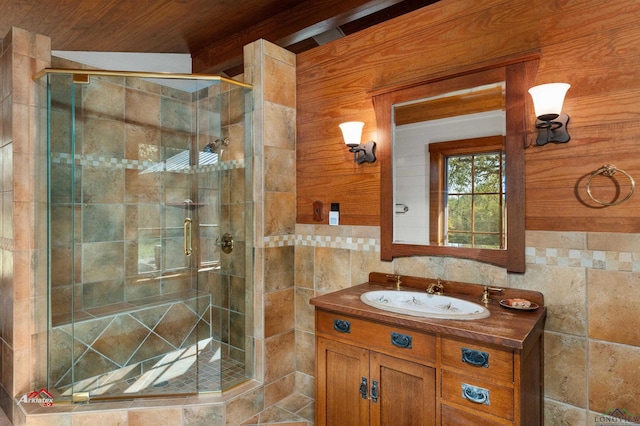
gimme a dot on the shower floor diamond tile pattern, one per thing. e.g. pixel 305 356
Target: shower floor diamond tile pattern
pixel 151 350
pixel 211 374
pixel 123 340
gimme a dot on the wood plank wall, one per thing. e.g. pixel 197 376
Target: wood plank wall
pixel 593 45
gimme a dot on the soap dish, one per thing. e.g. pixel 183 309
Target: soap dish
pixel 519 304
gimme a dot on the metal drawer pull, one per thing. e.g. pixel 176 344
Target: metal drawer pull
pixel 475 357
pixel 374 391
pixel 342 326
pixel 401 340
pixel 363 388
pixel 475 394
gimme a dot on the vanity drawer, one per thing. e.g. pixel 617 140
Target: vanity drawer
pixel 389 339
pixel 478 395
pixel 454 417
pixel 477 359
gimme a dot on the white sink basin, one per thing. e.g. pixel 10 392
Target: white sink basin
pixel 422 304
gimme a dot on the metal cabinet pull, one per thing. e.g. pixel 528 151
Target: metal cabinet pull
pixel 187 237
pixel 475 394
pixel 401 340
pixel 475 357
pixel 363 388
pixel 341 326
pixel 374 391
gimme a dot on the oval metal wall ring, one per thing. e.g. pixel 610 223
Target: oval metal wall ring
pixel 609 170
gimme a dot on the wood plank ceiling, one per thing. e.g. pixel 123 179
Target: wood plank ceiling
pixel 212 31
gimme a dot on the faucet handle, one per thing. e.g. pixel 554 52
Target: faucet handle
pixel 487 291
pixel 435 288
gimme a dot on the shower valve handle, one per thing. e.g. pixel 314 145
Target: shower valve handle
pixel 226 243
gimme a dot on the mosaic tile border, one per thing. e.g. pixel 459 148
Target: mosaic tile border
pixel 574 258
pixel 125 163
pixel 591 259
pixel 348 243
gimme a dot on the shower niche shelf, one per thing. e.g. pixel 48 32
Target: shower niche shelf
pixel 192 298
pixel 187 205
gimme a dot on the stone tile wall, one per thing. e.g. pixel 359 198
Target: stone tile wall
pixel 126 130
pixel 591 284
pixel 271 71
pixel 21 55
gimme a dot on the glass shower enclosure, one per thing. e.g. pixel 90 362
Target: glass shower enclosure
pixel 147 205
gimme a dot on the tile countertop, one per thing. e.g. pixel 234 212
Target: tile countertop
pixel 514 329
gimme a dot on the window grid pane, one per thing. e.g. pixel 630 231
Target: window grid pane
pixel 475 200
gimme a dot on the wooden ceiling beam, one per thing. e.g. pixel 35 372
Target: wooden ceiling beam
pixel 303 21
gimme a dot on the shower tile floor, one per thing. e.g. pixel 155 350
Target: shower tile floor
pixel 177 373
pixel 212 375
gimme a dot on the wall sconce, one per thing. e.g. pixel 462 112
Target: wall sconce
pixel 551 122
pixel 352 133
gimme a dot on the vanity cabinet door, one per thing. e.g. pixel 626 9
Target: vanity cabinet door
pixel 342 379
pixel 405 392
pixel 359 387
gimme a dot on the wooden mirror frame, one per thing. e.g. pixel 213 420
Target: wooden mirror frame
pixel 518 74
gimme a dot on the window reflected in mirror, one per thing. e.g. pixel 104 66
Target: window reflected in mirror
pixel 469 190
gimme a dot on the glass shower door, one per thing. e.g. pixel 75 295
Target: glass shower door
pixel 224 231
pixel 139 314
pixel 149 210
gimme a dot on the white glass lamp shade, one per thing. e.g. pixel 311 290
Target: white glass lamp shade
pixel 548 99
pixel 352 132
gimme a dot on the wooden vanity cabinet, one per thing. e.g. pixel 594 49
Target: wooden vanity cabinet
pixel 447 373
pixel 359 385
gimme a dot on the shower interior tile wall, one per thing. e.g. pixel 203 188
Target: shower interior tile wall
pixel 123 127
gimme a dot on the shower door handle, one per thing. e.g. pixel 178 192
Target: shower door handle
pixel 187 236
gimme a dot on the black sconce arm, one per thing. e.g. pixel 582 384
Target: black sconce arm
pixel 554 130
pixel 363 153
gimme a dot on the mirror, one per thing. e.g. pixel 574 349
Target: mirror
pixel 454 144
pixel 436 134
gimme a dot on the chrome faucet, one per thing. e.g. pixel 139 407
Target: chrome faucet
pixel 435 288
